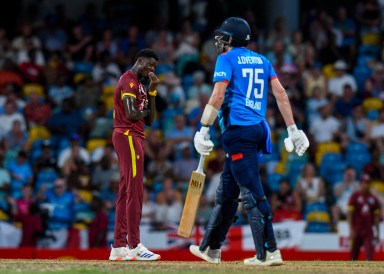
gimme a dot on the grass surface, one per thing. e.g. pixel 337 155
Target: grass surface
pixel 170 267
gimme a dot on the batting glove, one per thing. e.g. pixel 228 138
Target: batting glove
pixel 296 140
pixel 202 141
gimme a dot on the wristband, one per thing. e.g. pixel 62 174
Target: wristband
pixel 152 93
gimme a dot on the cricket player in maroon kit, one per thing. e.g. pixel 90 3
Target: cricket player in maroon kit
pixel 134 107
pixel 363 218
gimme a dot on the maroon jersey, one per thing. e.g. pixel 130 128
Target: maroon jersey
pixel 128 85
pixel 364 208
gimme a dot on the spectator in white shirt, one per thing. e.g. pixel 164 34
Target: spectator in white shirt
pixel 326 126
pixel 336 84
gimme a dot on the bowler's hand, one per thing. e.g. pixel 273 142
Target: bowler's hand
pixel 154 81
pixel 296 140
pixel 202 141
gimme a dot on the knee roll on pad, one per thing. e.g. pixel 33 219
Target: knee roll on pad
pixel 249 201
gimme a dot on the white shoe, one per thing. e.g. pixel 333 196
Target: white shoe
pixel 212 256
pixel 273 258
pixel 118 254
pixel 141 253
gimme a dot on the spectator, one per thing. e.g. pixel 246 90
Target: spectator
pixel 53 37
pixel 26 41
pixel 199 86
pixel 60 90
pixel 106 72
pixel 36 112
pixel 17 139
pixel 342 191
pixel 9 117
pixel 164 47
pixel 348 28
pixel 183 166
pixel 342 77
pixel 376 82
pixel 102 173
pixel 26 213
pixel 45 166
pixel 313 77
pixel 286 204
pixel 179 134
pixel 346 103
pixel 363 220
pixel 310 187
pixel 21 174
pixel 65 122
pixel 131 43
pixel 326 127
pixel 158 169
pixel 169 205
pixel 87 95
pixel 30 70
pixel 358 127
pixel 58 203
pixel 149 209
pixel 313 105
pixel 107 44
pixel 80 45
pixel 100 125
pixel 70 157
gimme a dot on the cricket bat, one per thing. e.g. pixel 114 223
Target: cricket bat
pixel 191 205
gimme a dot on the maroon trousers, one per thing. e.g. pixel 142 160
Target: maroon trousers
pixel 130 152
pixel 362 239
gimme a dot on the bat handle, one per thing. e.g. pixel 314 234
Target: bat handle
pixel 200 167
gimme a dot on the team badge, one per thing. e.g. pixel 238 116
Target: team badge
pixel 131 85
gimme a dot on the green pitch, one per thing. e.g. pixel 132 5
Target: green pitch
pixel 169 267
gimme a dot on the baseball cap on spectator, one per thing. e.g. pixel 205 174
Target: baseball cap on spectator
pixel 340 65
pixel 74 137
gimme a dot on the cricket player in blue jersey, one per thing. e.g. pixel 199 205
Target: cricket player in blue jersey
pixel 239 100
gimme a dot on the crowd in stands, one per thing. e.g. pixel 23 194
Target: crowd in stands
pixel 58 169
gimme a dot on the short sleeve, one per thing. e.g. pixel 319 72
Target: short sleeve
pixel 129 86
pixel 223 69
pixel 272 74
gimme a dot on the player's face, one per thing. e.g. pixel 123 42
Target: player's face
pixel 147 65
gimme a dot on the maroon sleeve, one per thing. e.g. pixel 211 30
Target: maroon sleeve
pixel 129 86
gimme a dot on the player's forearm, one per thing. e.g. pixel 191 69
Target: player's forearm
pixel 132 112
pixel 285 109
pixel 218 94
pixel 152 111
pixel 282 102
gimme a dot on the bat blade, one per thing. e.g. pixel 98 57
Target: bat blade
pixel 191 205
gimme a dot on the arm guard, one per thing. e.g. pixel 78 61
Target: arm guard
pixel 209 115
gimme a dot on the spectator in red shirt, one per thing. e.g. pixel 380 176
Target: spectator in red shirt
pixel 98 228
pixel 363 219
pixel 37 112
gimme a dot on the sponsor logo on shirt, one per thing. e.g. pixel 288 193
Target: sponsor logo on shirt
pixel 219 74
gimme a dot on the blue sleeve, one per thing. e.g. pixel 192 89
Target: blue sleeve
pixel 223 69
pixel 272 74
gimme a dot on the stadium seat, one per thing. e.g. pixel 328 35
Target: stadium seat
pixel 378 186
pixel 328 160
pixel 372 103
pixel 92 144
pixel 355 148
pixel 32 87
pixel 38 132
pixel 326 147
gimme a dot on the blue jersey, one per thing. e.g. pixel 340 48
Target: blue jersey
pixel 247 74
